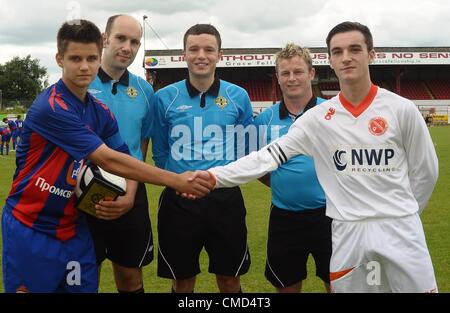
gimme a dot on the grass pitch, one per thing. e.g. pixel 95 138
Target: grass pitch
pixel 436 221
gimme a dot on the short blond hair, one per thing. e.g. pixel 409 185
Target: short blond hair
pixel 291 50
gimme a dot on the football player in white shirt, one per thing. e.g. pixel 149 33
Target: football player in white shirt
pixel 375 160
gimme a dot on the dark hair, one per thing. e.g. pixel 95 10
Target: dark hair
pixel 82 31
pixel 199 29
pixel 112 19
pixel 18 116
pixel 110 22
pixel 351 26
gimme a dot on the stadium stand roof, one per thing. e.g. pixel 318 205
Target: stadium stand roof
pixel 314 49
pixel 421 74
pixel 263 57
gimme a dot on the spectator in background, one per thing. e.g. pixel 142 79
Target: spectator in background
pixel 14 131
pixel 5 134
pixel 19 123
pixel 429 119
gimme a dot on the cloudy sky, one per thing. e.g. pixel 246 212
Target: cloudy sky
pixel 29 27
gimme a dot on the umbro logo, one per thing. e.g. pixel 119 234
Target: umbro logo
pixel 183 108
pixel 94 91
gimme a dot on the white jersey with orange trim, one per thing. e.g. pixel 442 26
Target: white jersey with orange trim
pixel 373 161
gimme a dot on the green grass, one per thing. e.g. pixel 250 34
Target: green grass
pixel 436 217
pixel 436 220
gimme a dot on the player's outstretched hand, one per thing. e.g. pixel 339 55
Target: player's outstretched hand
pixel 198 184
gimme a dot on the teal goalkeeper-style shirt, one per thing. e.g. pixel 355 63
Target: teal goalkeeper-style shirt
pixel 198 130
pixel 129 98
pixel 294 184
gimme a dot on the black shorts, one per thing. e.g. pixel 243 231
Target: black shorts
pixel 216 222
pixel 292 237
pixel 128 240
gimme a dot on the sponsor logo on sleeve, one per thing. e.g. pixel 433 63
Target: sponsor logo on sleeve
pixel 330 113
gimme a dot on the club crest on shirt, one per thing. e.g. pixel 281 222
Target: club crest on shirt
pixel 132 92
pixel 221 102
pixel 378 126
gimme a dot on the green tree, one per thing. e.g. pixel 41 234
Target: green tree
pixel 22 78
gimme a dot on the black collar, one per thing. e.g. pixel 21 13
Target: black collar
pixel 213 90
pixel 104 77
pixel 284 112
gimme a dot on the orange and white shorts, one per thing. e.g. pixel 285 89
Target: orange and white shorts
pixel 381 255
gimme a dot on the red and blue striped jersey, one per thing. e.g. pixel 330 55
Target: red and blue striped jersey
pixel 59 133
pixel 19 123
pixel 12 125
pixel 5 132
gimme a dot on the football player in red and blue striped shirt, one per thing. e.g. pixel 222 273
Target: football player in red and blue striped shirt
pixel 5 133
pixel 47 246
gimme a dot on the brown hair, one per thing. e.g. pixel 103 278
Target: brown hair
pixel 351 26
pixel 199 29
pixel 82 31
